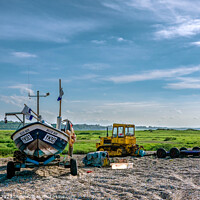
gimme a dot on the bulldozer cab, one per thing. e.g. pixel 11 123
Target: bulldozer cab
pixel 121 143
pixel 123 130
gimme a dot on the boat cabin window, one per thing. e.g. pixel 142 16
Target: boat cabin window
pixel 115 132
pixel 120 131
pixel 129 131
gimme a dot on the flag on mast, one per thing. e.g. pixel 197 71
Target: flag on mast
pixel 61 93
pixel 27 111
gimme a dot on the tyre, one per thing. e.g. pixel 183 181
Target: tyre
pixel 183 148
pixel 161 153
pixel 10 169
pixel 196 149
pixel 73 167
pixel 174 152
pixel 183 154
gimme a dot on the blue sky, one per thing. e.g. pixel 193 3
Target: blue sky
pixel 127 61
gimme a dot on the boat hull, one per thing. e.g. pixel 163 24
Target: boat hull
pixel 39 140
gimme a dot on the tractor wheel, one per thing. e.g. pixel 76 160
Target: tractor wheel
pixel 161 153
pixel 196 149
pixel 119 152
pixel 73 167
pixel 174 152
pixel 10 169
pixel 183 148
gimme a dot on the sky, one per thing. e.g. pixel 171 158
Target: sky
pixel 120 61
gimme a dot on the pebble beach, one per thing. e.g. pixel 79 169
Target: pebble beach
pixel 149 179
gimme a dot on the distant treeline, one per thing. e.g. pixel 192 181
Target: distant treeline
pixel 10 125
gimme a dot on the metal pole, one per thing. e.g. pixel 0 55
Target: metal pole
pixel 61 99
pixel 38 103
pixel 38 97
pixel 23 120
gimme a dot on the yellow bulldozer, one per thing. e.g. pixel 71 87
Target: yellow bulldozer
pixel 122 142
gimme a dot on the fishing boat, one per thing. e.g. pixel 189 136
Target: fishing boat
pixel 38 140
pixel 40 143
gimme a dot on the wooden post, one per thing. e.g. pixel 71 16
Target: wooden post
pixel 38 97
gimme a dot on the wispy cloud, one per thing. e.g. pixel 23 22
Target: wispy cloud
pixel 29 72
pixel 132 104
pixel 86 77
pixel 96 66
pixel 197 43
pixel 154 75
pixel 141 112
pixel 119 39
pixel 113 5
pixel 24 88
pixel 24 55
pixel 43 28
pixel 185 83
pixel 184 29
pixel 178 18
pixel 15 100
pixel 98 41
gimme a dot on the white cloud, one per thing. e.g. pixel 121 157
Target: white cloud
pixel 24 88
pixel 15 100
pixel 197 43
pixel 184 29
pixel 137 112
pixel 154 75
pixel 98 41
pixel 185 83
pixel 24 55
pixel 120 39
pixel 181 18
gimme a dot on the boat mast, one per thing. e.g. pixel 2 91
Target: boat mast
pixel 59 118
pixel 61 99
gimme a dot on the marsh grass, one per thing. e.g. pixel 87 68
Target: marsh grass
pixel 86 140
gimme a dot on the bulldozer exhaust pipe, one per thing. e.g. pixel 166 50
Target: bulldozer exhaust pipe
pixel 107 131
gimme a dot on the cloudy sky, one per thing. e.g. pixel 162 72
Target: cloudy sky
pixel 131 61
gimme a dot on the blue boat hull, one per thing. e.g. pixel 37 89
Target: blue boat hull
pixel 39 140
